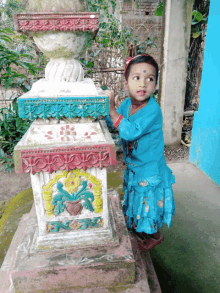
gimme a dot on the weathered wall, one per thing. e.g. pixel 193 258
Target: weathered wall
pixel 205 143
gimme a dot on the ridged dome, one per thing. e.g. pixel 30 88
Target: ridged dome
pixel 62 69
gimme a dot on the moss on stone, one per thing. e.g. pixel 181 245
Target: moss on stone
pixel 119 289
pixel 13 211
pixel 114 179
pixel 152 284
pixel 115 182
pixel 2 208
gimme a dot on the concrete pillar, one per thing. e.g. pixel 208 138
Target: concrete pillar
pixel 176 35
pixel 205 143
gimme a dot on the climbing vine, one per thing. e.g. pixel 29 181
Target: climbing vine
pixel 114 42
pixel 112 33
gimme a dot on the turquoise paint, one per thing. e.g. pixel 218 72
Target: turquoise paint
pixel 205 144
pixel 58 107
pixel 59 225
pixel 55 226
pixel 86 223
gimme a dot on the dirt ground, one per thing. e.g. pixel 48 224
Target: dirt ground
pixel 12 184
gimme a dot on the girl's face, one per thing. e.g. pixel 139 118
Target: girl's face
pixel 141 81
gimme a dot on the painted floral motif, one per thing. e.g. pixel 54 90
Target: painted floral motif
pixel 72 182
pixel 51 160
pixel 83 192
pixel 56 226
pixel 75 225
pixel 67 133
pixel 54 22
pixel 88 135
pixel 84 197
pixel 63 107
pixel 86 223
pixel 101 222
pixel 49 227
pixel 81 224
pixel 49 135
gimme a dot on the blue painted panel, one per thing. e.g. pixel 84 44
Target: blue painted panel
pixel 58 107
pixel 205 148
pixel 205 143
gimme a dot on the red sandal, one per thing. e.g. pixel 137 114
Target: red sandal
pixel 148 241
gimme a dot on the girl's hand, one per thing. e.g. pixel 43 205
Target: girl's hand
pixel 112 103
pixel 112 98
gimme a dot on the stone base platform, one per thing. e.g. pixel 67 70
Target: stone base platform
pixel 86 270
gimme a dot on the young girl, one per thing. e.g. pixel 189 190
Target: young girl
pixel 148 200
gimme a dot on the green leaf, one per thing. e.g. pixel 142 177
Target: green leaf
pixel 104 87
pixel 105 41
pixel 159 10
pixel 7 29
pixel 197 15
pixel 7 82
pixel 195 35
pixel 90 64
pixel 83 61
pixel 6 38
pixel 8 69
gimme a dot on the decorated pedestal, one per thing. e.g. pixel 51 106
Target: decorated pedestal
pixel 67 160
pixel 68 164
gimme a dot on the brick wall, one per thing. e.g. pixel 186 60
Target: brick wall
pixel 140 16
pixel 144 7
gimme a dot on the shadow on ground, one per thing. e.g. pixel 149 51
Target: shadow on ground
pixel 188 261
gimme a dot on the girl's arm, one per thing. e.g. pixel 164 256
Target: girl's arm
pixel 131 131
pixel 128 130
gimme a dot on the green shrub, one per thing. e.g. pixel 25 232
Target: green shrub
pixel 12 128
pixel 14 56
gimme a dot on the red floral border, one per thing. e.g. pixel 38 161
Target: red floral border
pixel 50 160
pixel 83 21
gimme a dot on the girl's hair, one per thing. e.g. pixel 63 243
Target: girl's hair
pixel 144 58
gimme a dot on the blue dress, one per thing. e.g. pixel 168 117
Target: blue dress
pixel 148 198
